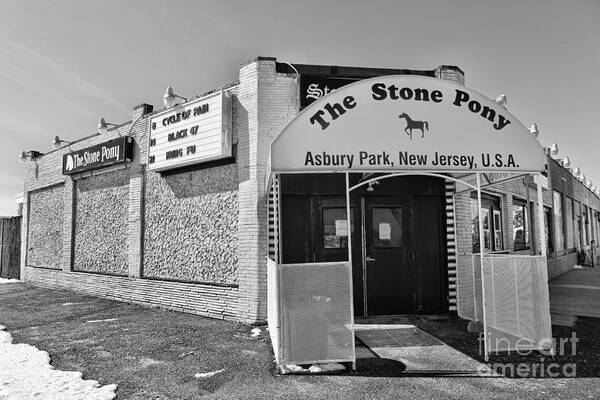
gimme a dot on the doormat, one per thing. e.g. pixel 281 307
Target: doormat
pixel 399 337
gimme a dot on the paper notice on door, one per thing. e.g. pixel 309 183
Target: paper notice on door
pixel 331 242
pixel 341 227
pixel 385 231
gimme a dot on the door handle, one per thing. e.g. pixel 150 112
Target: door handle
pixel 369 259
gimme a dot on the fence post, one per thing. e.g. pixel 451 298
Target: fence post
pixel 474 287
pixel 280 315
pixel 481 249
pixel 540 201
pixel 349 222
pixel 517 296
pixel 492 278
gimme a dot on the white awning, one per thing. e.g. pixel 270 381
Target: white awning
pixel 405 123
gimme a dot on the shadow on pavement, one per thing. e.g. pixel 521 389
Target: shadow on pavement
pixel 386 368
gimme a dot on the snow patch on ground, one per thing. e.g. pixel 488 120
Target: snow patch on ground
pixel 26 373
pixel 255 332
pixel 102 320
pixel 313 369
pixel 146 362
pixel 208 374
pixel 4 280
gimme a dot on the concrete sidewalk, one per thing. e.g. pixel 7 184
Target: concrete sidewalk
pixel 420 353
pixel 157 354
pixel 576 293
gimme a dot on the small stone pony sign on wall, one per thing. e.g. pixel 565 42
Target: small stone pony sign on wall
pixel 101 155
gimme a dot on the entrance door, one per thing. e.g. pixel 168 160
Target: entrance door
pixel 389 277
pixel 403 255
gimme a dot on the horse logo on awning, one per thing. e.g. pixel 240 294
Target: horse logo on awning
pixel 410 125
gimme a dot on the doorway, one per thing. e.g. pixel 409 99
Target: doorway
pixel 404 255
pixel 398 230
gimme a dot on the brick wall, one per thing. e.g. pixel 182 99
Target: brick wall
pixel 559 261
pixel 230 247
pixel 559 265
pixel 505 192
pixel 205 300
pixel 587 198
pixel 269 100
pixel 45 175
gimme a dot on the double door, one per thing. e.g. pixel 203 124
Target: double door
pixel 398 251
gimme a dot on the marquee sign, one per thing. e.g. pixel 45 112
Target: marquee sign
pixel 112 152
pixel 405 122
pixel 195 132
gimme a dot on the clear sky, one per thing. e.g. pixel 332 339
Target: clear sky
pixel 65 64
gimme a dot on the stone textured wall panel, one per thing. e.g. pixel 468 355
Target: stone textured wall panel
pixel 45 233
pixel 190 230
pixel 102 223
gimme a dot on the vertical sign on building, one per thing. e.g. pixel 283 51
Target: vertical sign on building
pixel 194 132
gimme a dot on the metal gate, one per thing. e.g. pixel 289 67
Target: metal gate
pixel 310 312
pixel 516 303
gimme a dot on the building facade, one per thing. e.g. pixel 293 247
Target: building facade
pixel 171 209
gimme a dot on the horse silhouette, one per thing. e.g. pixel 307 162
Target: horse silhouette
pixel 410 125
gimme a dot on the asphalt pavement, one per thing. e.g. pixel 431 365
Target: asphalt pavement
pixel 158 354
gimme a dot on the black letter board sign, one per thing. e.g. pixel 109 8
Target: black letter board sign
pixel 313 87
pixel 114 151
